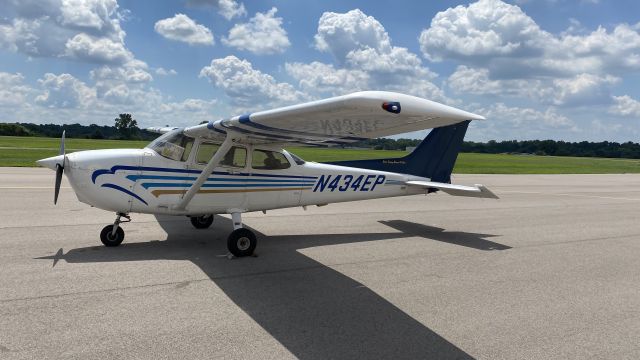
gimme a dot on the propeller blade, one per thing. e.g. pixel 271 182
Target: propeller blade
pixel 59 171
pixel 62 143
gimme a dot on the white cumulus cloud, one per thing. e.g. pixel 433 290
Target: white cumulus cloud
pixel 523 123
pixel 183 28
pixel 99 50
pixel 64 91
pixel 626 106
pixel 341 33
pixel 229 9
pixel 248 87
pixel 13 91
pixel 366 59
pixel 84 30
pixel 581 89
pixel 325 78
pixel 503 39
pixel 191 106
pixel 164 72
pixel 263 34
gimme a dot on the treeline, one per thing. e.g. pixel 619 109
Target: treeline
pixel 92 131
pixel 607 149
pixel 387 144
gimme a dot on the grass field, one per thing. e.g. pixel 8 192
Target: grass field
pixel 24 151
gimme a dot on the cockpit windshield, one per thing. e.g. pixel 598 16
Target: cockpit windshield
pixel 173 145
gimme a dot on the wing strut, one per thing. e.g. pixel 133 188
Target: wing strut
pixel 204 175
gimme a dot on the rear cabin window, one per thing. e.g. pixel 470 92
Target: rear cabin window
pixel 235 157
pixel 269 160
pixel 173 145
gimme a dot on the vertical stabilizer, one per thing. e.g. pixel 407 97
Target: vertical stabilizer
pixel 434 158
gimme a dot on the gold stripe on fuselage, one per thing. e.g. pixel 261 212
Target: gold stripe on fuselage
pixel 157 193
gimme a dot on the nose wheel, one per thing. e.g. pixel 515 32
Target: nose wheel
pixel 113 235
pixel 109 238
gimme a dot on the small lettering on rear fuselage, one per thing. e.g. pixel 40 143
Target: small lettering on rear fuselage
pixel 348 182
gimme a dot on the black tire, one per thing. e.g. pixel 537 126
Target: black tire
pixel 201 222
pixel 111 240
pixel 241 242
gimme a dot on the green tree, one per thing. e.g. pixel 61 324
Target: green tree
pixel 14 130
pixel 126 125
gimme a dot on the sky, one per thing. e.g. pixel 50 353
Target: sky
pixel 536 69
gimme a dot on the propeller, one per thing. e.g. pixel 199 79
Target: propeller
pixel 59 170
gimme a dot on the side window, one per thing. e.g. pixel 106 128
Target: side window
pixel 205 152
pixel 235 157
pixel 187 149
pixel 269 160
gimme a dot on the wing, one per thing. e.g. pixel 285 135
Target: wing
pixel 456 190
pixel 338 120
pixel 160 130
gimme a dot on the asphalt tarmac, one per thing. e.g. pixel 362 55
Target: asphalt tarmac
pixel 549 271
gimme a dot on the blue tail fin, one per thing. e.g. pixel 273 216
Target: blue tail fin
pixel 434 158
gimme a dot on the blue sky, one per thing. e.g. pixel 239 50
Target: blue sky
pixel 549 69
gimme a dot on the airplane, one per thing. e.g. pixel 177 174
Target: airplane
pixel 239 164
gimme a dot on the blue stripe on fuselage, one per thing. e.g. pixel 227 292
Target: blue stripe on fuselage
pixel 115 168
pixel 184 185
pixel 219 179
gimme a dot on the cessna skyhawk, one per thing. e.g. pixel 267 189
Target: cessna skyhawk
pixel 237 165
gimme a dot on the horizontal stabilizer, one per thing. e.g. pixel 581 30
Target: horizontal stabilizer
pixel 456 190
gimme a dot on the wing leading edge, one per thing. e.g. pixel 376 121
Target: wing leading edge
pixel 338 120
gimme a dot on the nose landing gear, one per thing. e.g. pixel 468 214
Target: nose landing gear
pixel 112 235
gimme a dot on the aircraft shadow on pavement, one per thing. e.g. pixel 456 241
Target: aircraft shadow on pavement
pixel 472 240
pixel 314 311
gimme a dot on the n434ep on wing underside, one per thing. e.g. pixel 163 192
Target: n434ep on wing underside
pixel 237 165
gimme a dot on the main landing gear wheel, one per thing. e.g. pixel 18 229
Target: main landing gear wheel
pixel 110 239
pixel 201 222
pixel 241 242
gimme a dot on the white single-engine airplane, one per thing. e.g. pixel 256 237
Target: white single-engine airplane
pixel 237 165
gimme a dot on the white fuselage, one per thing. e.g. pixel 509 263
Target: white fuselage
pixel 143 181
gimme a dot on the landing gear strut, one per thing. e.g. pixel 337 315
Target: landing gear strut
pixel 241 242
pixel 201 222
pixel 112 235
